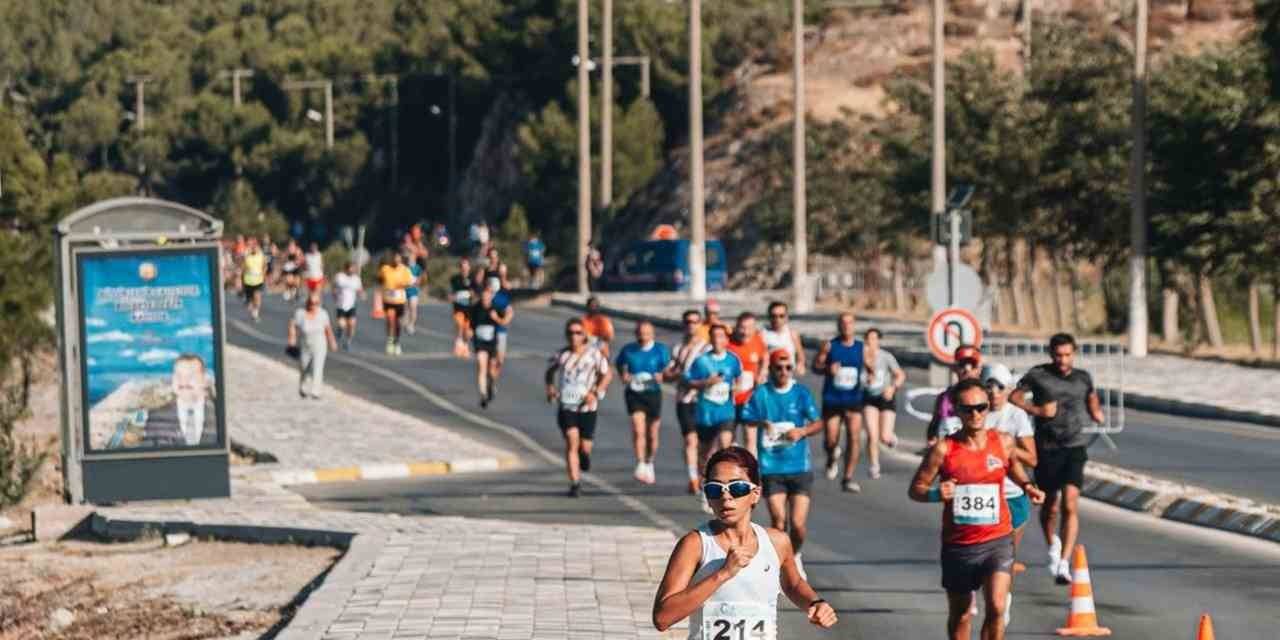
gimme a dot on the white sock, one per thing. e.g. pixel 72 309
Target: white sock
pixel 693 473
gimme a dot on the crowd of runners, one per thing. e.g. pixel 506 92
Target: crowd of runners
pixel 997 444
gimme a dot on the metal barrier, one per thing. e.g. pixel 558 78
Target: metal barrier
pixel 1104 360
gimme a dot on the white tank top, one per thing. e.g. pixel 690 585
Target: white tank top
pixel 779 340
pixel 749 599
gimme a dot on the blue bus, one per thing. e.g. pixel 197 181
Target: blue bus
pixel 663 265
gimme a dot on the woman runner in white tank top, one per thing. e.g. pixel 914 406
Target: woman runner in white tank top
pixel 725 575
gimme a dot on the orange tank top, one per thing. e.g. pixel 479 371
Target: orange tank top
pixel 978 512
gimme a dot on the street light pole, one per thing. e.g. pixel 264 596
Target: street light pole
pixel 606 107
pixel 584 148
pixel 327 85
pixel 697 204
pixel 799 224
pixel 235 75
pixel 938 185
pixel 139 99
pixel 1138 322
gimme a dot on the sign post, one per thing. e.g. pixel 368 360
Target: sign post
pixel 140 336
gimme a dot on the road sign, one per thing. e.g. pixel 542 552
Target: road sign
pixel 950 328
pixel 968 294
pixel 941 227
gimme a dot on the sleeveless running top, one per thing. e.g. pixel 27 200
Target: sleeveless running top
pixel 751 597
pixel 844 389
pixel 781 339
pixel 977 513
pixel 255 268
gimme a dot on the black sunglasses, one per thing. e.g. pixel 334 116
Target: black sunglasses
pixel 992 384
pixel 972 408
pixel 737 489
pixel 782 367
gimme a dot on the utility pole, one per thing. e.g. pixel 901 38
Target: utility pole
pixel 453 141
pixel 639 61
pixel 697 204
pixel 799 215
pixel 584 147
pixel 139 99
pixel 938 185
pixel 394 81
pixel 606 107
pixel 1026 31
pixel 327 85
pixel 235 75
pixel 1138 322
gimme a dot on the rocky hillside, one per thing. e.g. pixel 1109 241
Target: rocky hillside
pixel 848 60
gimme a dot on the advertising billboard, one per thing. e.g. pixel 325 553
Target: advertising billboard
pixel 150 332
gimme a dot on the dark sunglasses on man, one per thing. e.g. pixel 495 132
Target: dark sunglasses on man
pixel 966 409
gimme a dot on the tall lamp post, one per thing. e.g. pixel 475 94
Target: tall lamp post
pixel 584 148
pixel 697 203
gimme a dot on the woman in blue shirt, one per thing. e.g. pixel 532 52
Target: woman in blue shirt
pixel 713 375
pixel 785 414
pixel 640 366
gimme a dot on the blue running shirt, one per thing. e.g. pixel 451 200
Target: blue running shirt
pixel 845 389
pixel 643 365
pixel 787 409
pixel 715 404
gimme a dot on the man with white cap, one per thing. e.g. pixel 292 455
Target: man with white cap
pixel 1006 417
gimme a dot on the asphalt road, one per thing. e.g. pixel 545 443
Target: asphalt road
pixel 874 555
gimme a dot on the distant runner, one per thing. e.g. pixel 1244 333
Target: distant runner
pixel 395 279
pixel 977 545
pixel 710 318
pixel 347 289
pixel 290 266
pixel 486 318
pixel 968 364
pixel 254 277
pixel 785 414
pixel 461 295
pixel 714 375
pixel 641 366
pixel 748 345
pixel 495 271
pixel 577 379
pixel 418 269
pixel 780 335
pixel 535 256
pixel 881 379
pixel 687 397
pixel 1008 419
pixel 841 360
pixel 725 575
pixel 314 261
pixel 599 326
pixel 506 311
pixel 1064 403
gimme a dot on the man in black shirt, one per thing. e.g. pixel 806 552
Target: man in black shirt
pixel 462 297
pixel 1063 402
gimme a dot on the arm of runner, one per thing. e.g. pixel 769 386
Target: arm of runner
pixel 550 377
pixel 1095 407
pixel 293 332
pixel 797 589
pixel 928 471
pixel 899 378
pixel 935 422
pixel 1019 474
pixel 624 373
pixel 676 598
pixel 820 360
pixel 1025 452
pixel 800 359
pixel 328 334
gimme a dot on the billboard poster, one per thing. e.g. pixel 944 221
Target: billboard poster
pixel 151 335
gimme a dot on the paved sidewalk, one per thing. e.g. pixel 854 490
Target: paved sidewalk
pixel 411 577
pixel 1159 382
pixel 339 437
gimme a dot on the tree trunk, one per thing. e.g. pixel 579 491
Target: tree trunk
pixel 1011 269
pixel 1055 276
pixel 1209 312
pixel 1077 296
pixel 899 284
pixel 1032 262
pixel 1255 317
pixel 1169 306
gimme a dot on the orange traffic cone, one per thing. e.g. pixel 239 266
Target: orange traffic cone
pixel 1206 628
pixel 1083 618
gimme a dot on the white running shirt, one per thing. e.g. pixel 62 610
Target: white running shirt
pixel 348 286
pixel 1015 422
pixel 779 340
pixel 315 265
pixel 753 591
pixel 579 374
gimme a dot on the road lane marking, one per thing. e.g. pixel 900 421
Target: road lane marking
pixel 554 459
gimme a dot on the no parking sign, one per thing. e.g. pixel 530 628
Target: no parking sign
pixel 950 328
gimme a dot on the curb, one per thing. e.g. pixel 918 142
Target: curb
pixel 386 470
pixel 922 359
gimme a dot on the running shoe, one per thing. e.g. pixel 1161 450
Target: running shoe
pixel 639 473
pixel 575 490
pixel 493 389
pixel 851 487
pixel 892 444
pixel 702 502
pixel 1063 574
pixel 694 488
pixel 399 351
pixel 584 461
pixel 833 463
pixel 874 472
pixel 391 347
pixel 650 475
pixel 1055 554
pixel 484 401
